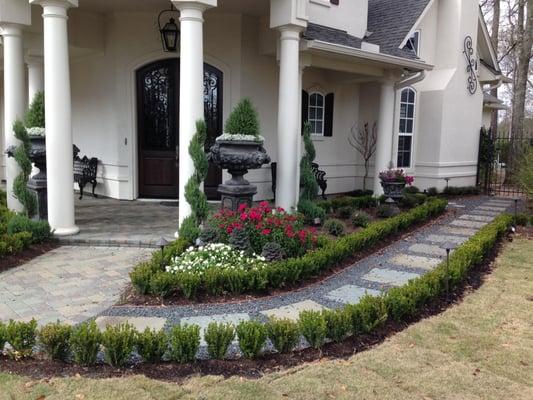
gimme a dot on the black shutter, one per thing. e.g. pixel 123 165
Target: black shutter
pixel 305 108
pixel 328 115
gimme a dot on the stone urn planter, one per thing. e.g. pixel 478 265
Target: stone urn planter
pixel 238 156
pixel 37 183
pixel 393 190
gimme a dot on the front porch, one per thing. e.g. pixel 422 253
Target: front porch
pixel 110 222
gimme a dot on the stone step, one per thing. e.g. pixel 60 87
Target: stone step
pixel 390 277
pixel 350 294
pixel 412 261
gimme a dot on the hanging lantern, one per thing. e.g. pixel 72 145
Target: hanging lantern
pixel 170 32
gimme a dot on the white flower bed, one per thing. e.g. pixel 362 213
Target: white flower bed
pixel 216 255
pixel 244 138
pixel 36 131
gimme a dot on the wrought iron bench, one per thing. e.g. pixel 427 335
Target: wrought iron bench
pixel 85 170
pixel 320 177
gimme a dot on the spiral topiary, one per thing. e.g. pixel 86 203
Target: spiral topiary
pixel 22 157
pixel 190 227
pixel 307 178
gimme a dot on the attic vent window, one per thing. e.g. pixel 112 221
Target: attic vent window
pixel 413 43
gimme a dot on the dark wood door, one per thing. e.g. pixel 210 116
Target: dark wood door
pixel 158 129
pixel 213 87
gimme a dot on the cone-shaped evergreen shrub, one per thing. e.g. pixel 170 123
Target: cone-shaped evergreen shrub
pixel 243 120
pixel 307 178
pixel 35 115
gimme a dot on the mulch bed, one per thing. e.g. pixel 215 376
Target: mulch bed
pixel 131 298
pixel 27 255
pixel 39 368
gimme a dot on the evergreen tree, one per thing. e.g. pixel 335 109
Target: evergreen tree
pixel 35 117
pixel 307 178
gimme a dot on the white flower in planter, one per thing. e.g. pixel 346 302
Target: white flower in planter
pixel 239 138
pixel 36 131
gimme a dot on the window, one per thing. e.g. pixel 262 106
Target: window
pixel 413 43
pixel 407 127
pixel 316 113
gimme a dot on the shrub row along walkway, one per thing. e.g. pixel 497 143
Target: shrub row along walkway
pixel 393 266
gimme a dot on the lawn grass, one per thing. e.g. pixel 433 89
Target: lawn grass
pixel 480 349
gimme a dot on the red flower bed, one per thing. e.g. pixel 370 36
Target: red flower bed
pixel 264 224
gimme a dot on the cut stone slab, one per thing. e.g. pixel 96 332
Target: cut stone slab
pixel 427 249
pixel 458 231
pixel 293 311
pixel 468 224
pixel 350 294
pixel 139 323
pixel 492 208
pixel 411 261
pixel 485 212
pixel 390 276
pixel 446 239
pixel 480 218
pixel 204 321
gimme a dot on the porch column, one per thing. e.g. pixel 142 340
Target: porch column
pixel 14 100
pixel 385 133
pixel 191 87
pixel 35 76
pixel 288 117
pixel 58 116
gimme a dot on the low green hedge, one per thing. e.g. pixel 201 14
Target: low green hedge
pixel 181 343
pixel 149 278
pixel 348 201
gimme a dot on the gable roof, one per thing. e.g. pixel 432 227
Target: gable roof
pixel 390 21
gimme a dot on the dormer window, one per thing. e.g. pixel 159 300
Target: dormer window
pixel 413 43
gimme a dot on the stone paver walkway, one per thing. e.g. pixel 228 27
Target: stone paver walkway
pixel 70 283
pixel 393 266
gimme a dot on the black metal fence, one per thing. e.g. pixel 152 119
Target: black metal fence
pixel 500 158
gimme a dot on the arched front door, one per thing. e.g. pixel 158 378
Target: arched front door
pixel 158 127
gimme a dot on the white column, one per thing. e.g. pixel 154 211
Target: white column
pixel 299 150
pixel 35 76
pixel 58 116
pixel 191 88
pixel 289 118
pixel 14 100
pixel 385 133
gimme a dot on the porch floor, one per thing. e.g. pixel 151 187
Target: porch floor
pixel 110 222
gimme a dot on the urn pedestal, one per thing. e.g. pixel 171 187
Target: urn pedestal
pixel 38 183
pixel 238 156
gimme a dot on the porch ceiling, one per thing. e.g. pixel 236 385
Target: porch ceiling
pixel 255 7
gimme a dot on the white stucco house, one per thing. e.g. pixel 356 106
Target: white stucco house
pixel 416 68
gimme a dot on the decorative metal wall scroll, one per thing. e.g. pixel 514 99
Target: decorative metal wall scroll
pixel 472 65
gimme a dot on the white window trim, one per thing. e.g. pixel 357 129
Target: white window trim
pixel 410 134
pixel 323 120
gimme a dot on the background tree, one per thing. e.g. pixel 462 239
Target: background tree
pixel 365 142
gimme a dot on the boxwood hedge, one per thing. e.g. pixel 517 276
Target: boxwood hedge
pixel 149 278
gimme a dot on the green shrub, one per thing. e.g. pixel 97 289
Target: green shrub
pixel 189 229
pixel 21 336
pixel 521 219
pixel 85 343
pixel 252 337
pixel 243 120
pixel 313 327
pixel 151 344
pixel 189 284
pixel 339 324
pixel 432 191
pixel 360 219
pixel 283 333
pixel 184 343
pixel 141 276
pixel 3 335
pixel 334 227
pixel 118 343
pixel 35 117
pixel 387 211
pixel 354 202
pixel 218 338
pixel 22 157
pixel 460 190
pixel 368 314
pixel 163 284
pixel 308 183
pixel 345 212
pixel 40 230
pixel 54 339
pixel 408 201
pixel 411 190
pixel 13 244
pixel 311 211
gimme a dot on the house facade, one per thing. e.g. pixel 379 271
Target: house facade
pixel 415 69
